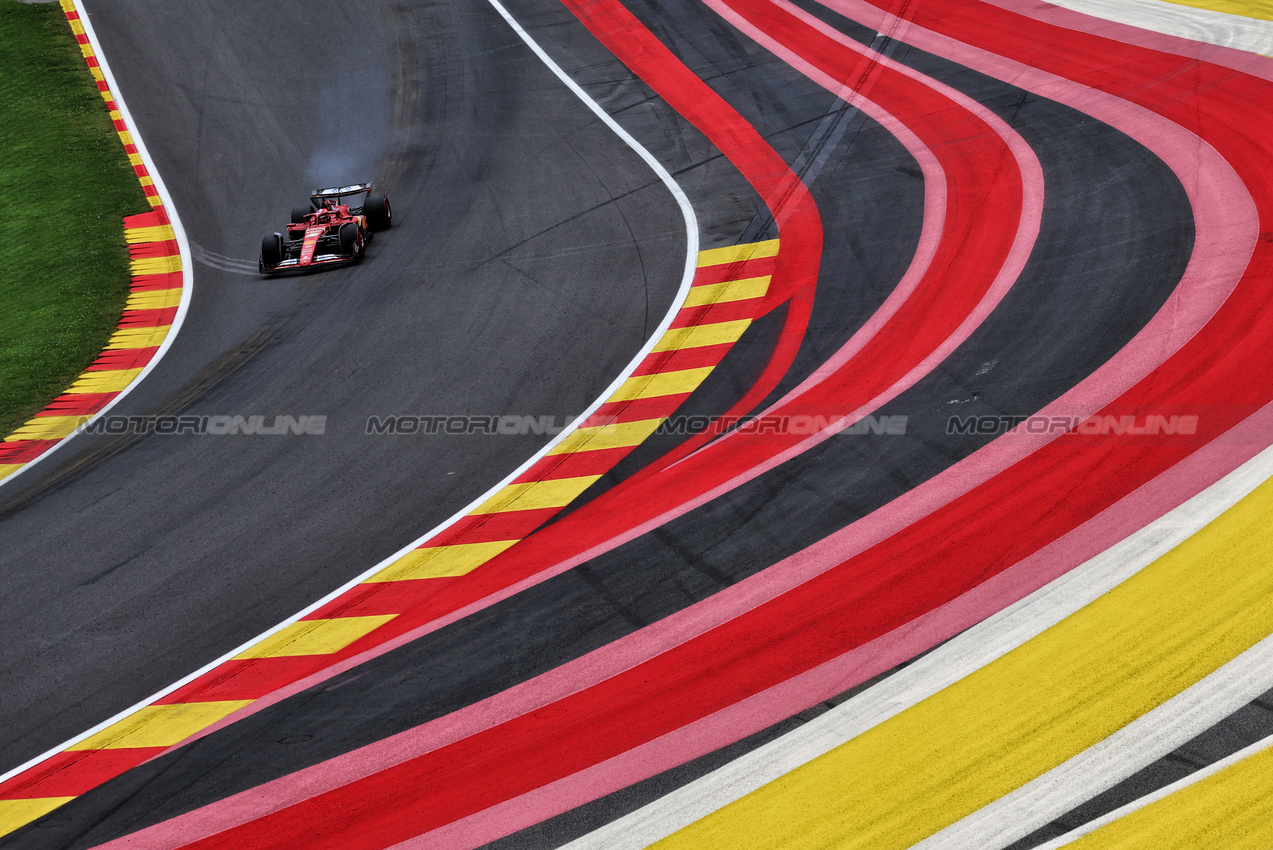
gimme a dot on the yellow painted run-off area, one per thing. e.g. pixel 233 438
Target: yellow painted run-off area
pixel 1260 9
pixel 159 725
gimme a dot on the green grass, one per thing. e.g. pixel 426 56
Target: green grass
pixel 65 185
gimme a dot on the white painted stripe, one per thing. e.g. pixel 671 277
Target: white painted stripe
pixel 1138 744
pixel 1223 30
pixel 687 277
pixel 1197 776
pixel 957 658
pixel 183 245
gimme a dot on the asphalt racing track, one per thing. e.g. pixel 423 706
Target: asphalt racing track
pixel 872 617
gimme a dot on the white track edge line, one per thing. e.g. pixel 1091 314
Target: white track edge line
pixel 959 657
pixel 691 262
pixel 1166 791
pixel 183 245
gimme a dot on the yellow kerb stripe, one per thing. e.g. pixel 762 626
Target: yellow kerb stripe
pixel 315 637
pixel 105 381
pixel 160 725
pixel 700 335
pixel 730 290
pixel 737 253
pixel 154 299
pixel 1161 631
pixel 7 469
pixel 614 436
pixel 661 383
pixel 156 265
pixel 1229 809
pixel 1244 8
pixel 438 561
pixel 155 200
pixel 534 495
pixel 138 337
pixel 15 814
pixel 158 233
pixel 46 428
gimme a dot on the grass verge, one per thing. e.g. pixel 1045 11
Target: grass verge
pixel 65 183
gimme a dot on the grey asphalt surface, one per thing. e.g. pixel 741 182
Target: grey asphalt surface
pixel 1081 297
pixel 532 255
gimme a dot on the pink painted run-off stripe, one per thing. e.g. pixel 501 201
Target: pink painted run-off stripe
pixel 1152 499
pixel 1027 227
pixel 1226 228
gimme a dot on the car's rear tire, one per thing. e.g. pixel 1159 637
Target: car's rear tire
pixel 348 235
pixel 271 251
pixel 379 214
pixel 299 213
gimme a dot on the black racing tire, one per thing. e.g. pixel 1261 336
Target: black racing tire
pixel 299 213
pixel 271 251
pixel 379 214
pixel 348 235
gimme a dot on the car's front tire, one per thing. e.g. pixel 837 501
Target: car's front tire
pixel 348 236
pixel 271 252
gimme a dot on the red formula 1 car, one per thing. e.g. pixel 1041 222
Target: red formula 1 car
pixel 327 232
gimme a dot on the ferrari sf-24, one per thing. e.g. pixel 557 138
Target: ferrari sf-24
pixel 329 231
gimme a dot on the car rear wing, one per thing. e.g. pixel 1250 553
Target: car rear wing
pixel 339 192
